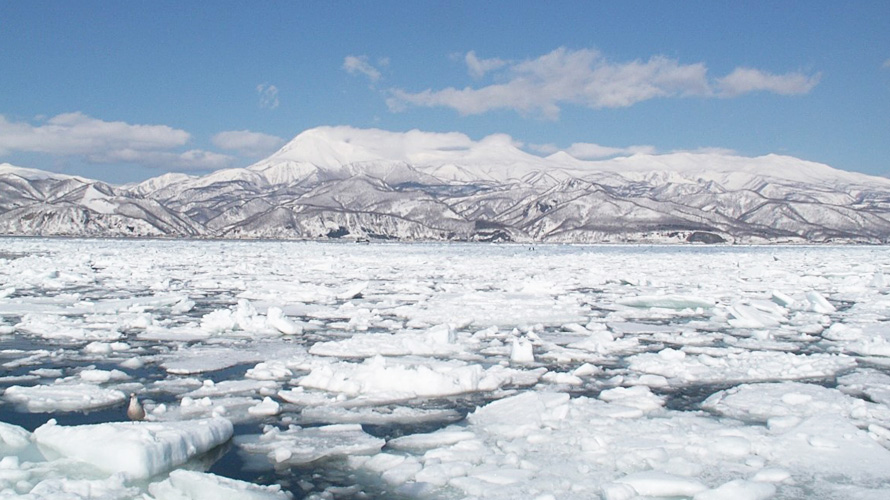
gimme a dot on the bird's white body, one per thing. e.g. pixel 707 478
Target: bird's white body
pixel 135 411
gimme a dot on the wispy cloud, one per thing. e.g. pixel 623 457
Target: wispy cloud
pixel 77 133
pixel 99 141
pixel 247 143
pixel 586 78
pixel 745 80
pixel 268 95
pixel 360 65
pixel 478 67
pixel 193 159
pixel 592 151
pixel 886 64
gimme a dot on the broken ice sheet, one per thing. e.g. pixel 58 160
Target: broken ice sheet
pixel 301 446
pixel 389 331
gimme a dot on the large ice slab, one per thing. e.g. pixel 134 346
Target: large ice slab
pixel 63 397
pixel 540 443
pixel 193 485
pixel 722 365
pixel 298 446
pixel 139 450
pixel 389 379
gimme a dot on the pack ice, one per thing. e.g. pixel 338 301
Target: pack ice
pixel 332 370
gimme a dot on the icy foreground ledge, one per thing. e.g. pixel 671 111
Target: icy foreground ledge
pixel 191 485
pixel 549 445
pixel 63 397
pixel 139 450
pixel 455 371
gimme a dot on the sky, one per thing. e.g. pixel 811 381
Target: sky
pixel 125 91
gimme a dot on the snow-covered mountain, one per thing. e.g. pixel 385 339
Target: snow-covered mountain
pixel 342 182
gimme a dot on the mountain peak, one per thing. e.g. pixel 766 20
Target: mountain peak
pixel 33 174
pixel 333 147
pixel 326 147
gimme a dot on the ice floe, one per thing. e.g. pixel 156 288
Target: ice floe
pixel 139 450
pixel 444 371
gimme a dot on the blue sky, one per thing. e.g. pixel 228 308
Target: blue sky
pixel 124 91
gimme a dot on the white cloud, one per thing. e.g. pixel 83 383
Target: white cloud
pixel 586 78
pixel 591 151
pixel 745 80
pixel 478 67
pixel 193 159
pixel 247 143
pixel 99 141
pixel 79 134
pixel 581 77
pixel 268 95
pixel 886 64
pixel 359 64
pixel 709 150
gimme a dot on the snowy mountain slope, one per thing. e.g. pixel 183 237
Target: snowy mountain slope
pixel 42 203
pixel 342 182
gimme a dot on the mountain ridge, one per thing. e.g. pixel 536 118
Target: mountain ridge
pixel 344 182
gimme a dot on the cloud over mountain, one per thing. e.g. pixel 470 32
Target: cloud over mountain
pixel 99 141
pixel 585 77
pixel 245 142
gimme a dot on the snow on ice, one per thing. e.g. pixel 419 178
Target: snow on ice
pixel 326 370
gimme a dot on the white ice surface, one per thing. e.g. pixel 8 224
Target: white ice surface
pixel 63 397
pixel 387 380
pixel 709 372
pixel 298 446
pixel 139 450
pixel 192 485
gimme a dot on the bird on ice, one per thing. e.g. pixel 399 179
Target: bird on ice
pixel 135 410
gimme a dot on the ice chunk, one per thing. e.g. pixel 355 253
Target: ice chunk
pixel 330 414
pixel 783 300
pixel 276 319
pixel 521 414
pixel 102 376
pixel 354 291
pixel 667 301
pixel 429 441
pixel 272 370
pixel 265 408
pixel 232 387
pixel 441 334
pixel 105 347
pixel 871 383
pixel 388 380
pixel 218 321
pixel 721 365
pixel 661 484
pixel 635 397
pixel 69 488
pixel 763 402
pixel 522 351
pixel 63 397
pixel 756 315
pixel 440 340
pixel 193 485
pixel 562 378
pixel 138 449
pixel 297 446
pixel 242 317
pixel 12 438
pixel 738 489
pixel 199 359
pixel 819 304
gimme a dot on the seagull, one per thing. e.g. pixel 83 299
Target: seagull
pixel 135 410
